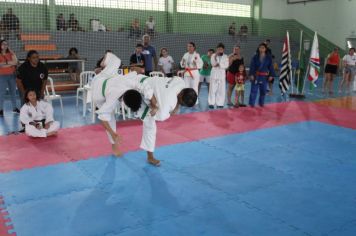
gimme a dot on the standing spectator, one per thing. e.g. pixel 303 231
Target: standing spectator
pixel 232 30
pixel 32 74
pixel 206 70
pixel 137 59
pixel 3 30
pixel 8 63
pixel 11 23
pixel 73 67
pixel 150 27
pixel 61 22
pixel 261 71
pixel 217 91
pixel 240 79
pixel 166 63
pixel 332 64
pixel 135 31
pixel 192 63
pixel 349 63
pixel 235 60
pixel 73 24
pixel 149 53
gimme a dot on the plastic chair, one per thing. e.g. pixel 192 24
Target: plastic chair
pixel 50 96
pixel 85 77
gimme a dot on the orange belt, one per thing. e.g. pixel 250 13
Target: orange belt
pixel 189 70
pixel 262 73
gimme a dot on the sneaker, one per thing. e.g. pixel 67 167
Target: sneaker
pixel 242 105
pixel 220 107
pixel 211 107
pixel 230 104
pixel 1 113
pixel 16 110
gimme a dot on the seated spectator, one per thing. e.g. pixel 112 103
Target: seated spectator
pixel 11 23
pixel 243 31
pixel 232 29
pixel 73 67
pixel 73 24
pixel 37 116
pixel 150 27
pixel 135 31
pixel 61 22
pixel 137 59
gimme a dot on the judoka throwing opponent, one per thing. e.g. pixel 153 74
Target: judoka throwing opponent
pixel 161 97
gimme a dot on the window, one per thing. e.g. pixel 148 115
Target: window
pixel 149 5
pixel 24 1
pixel 222 8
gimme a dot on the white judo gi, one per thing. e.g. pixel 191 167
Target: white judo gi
pixel 42 111
pixel 217 87
pixel 166 91
pixel 192 63
pixel 108 86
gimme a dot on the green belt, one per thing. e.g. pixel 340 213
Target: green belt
pixel 104 87
pixel 144 114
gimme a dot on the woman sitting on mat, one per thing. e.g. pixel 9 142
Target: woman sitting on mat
pixel 37 116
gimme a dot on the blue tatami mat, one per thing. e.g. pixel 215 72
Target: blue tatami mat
pixel 297 179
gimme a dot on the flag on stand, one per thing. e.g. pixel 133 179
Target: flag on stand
pixel 314 61
pixel 285 76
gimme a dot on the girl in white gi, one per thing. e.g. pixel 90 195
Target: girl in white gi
pixel 37 116
pixel 168 95
pixel 108 87
pixel 217 90
pixel 192 63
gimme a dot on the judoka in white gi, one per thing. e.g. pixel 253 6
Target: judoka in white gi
pixel 192 63
pixel 108 87
pixel 217 89
pixel 168 95
pixel 37 116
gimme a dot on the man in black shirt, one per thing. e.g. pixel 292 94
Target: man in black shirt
pixel 32 74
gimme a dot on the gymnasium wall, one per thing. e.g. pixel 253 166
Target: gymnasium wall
pixel 332 19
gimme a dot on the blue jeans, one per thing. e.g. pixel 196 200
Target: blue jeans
pixel 7 81
pixel 258 84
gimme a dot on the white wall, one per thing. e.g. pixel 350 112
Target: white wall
pixel 333 19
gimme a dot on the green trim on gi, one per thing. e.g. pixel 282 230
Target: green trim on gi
pixel 104 87
pixel 144 114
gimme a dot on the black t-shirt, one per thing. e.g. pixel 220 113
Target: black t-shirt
pixel 137 59
pixel 234 67
pixel 32 77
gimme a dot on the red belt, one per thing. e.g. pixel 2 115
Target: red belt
pixel 189 70
pixel 262 73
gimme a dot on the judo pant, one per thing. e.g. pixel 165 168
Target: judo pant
pixel 258 84
pixel 148 141
pixel 192 82
pixel 217 91
pixel 112 124
pixel 32 131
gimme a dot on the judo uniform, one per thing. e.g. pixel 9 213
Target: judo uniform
pixel 108 86
pixel 166 91
pixel 261 71
pixel 192 63
pixel 217 87
pixel 40 114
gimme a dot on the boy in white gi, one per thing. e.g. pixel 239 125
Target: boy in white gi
pixel 37 116
pixel 168 94
pixel 217 91
pixel 192 63
pixel 108 87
